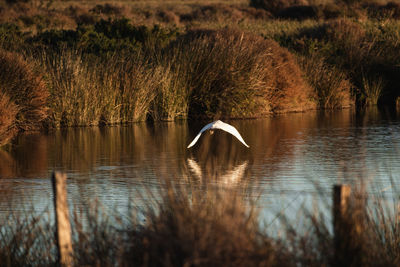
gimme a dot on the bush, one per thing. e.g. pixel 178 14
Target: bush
pixel 25 89
pixel 234 74
pixel 11 37
pixel 274 6
pixel 8 113
pixel 105 36
pixel 215 229
pixel 331 86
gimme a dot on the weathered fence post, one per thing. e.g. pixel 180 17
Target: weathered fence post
pixel 63 225
pixel 341 220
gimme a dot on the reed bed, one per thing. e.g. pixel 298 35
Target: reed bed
pixel 235 74
pixel 92 91
pixel 211 73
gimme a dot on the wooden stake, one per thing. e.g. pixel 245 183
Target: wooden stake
pixel 341 220
pixel 63 225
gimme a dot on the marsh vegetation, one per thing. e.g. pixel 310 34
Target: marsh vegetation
pixel 134 61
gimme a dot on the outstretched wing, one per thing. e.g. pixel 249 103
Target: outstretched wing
pixel 230 129
pixel 205 128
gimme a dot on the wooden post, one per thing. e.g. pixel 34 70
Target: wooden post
pixel 341 220
pixel 63 226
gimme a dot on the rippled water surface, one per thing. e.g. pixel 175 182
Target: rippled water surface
pixel 291 158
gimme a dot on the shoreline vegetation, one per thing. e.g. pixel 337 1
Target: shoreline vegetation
pixel 202 224
pixel 67 63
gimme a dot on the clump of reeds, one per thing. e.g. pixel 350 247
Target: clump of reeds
pixel 202 228
pixel 25 88
pixel 234 74
pixel 23 96
pixel 171 100
pixel 372 89
pixel 8 113
pixel 332 88
pixel 86 90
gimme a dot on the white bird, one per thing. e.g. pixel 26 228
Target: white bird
pixel 221 126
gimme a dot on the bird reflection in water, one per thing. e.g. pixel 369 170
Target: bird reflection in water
pixel 229 178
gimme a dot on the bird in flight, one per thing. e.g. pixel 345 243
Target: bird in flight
pixel 221 126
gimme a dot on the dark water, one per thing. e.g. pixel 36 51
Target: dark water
pixel 292 159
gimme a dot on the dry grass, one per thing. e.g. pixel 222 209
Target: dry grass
pixel 234 74
pixel 25 88
pixel 8 113
pixel 23 96
pixel 91 91
pixel 332 88
pixel 216 228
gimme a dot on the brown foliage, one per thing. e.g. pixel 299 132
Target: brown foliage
pixel 215 229
pixel 237 74
pixel 288 89
pixel 168 16
pixel 25 89
pixel 8 113
pixel 331 86
pixel 221 12
pixel 345 29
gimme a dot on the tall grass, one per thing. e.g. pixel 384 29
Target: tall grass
pixel 26 239
pixel 25 88
pixel 8 113
pixel 91 91
pixel 235 74
pixel 372 89
pixel 333 90
pixel 223 73
pixel 23 96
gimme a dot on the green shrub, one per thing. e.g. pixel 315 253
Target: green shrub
pixel 105 36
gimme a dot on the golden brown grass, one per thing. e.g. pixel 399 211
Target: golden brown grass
pixel 23 96
pixel 8 113
pixel 202 228
pixel 234 74
pixel 332 88
pixel 90 91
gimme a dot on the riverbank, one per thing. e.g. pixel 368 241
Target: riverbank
pixel 102 64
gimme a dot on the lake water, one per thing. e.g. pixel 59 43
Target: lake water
pixel 293 160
